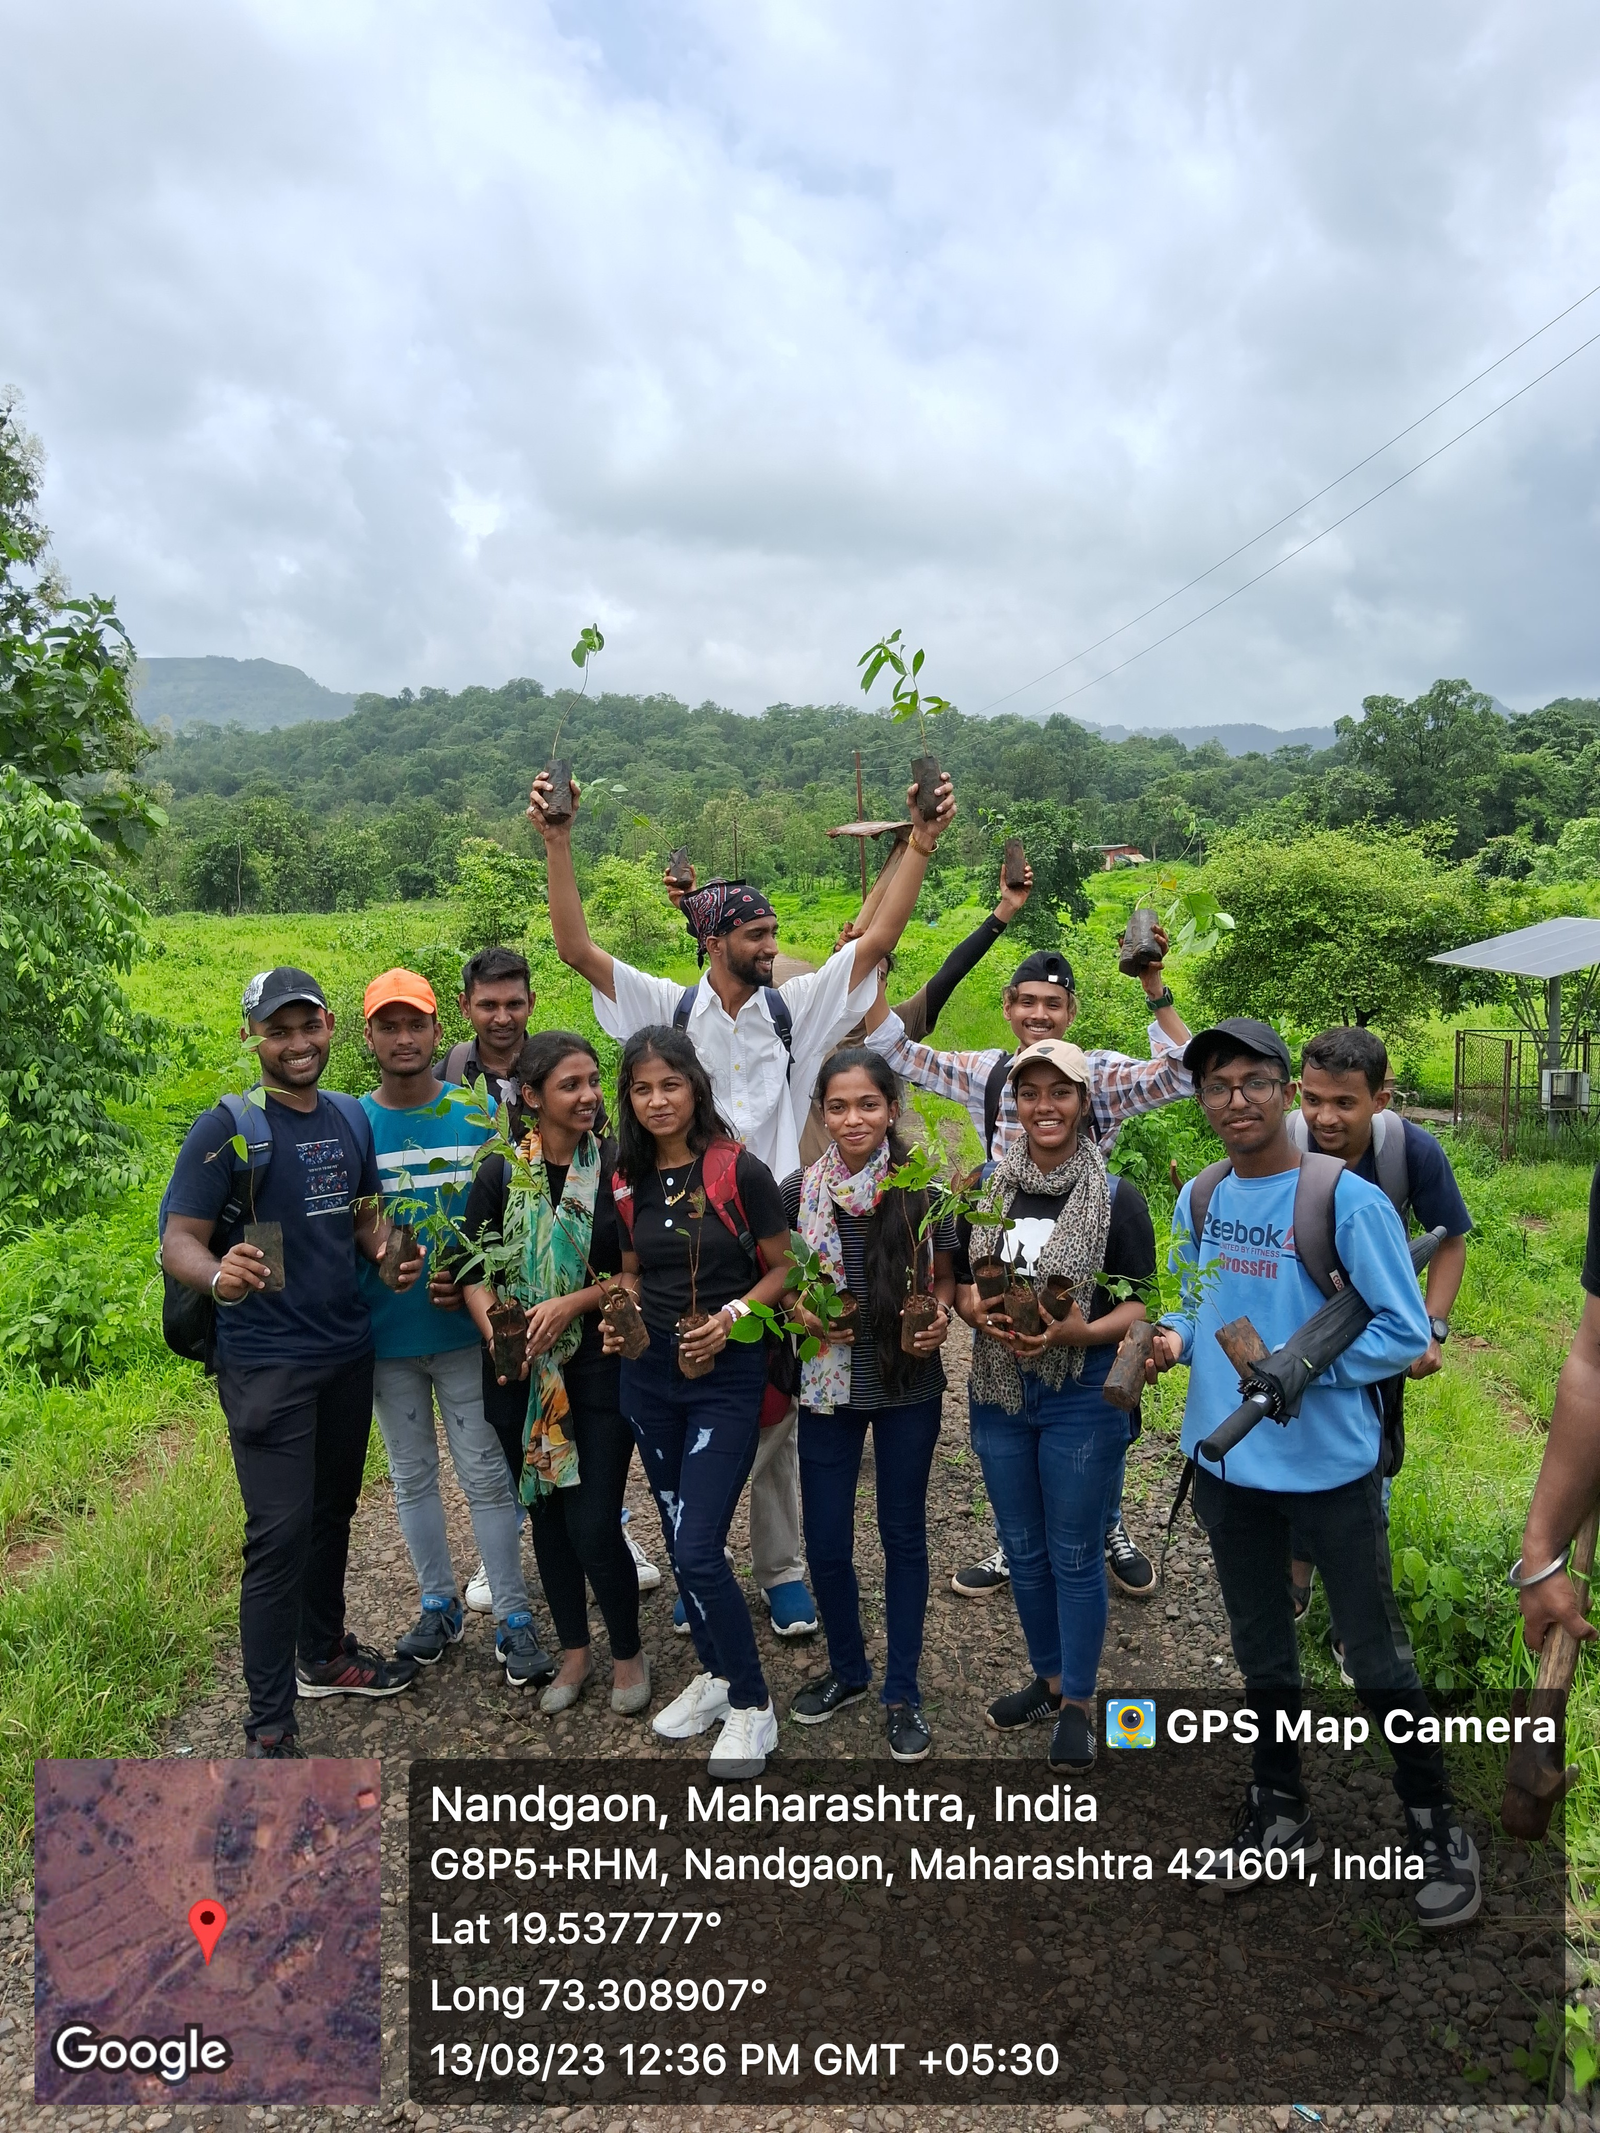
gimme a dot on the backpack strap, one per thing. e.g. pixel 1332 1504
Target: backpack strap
pixel 1200 1196
pixel 622 1194
pixel 1389 1160
pixel 353 1112
pixel 1314 1221
pixel 454 1063
pixel 719 1174
pixel 993 1090
pixel 777 1008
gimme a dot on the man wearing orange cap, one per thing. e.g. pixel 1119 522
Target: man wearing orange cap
pixel 427 1347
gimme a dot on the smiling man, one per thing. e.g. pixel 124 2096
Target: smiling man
pixel 428 1348
pixel 497 999
pixel 1245 1233
pixel 294 1359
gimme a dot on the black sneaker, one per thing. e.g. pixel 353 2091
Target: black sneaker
pixel 909 1738
pixel 816 1705
pixel 354 1670
pixel 439 1625
pixel 1128 1567
pixel 275 1748
pixel 517 1647
pixel 1268 1821
pixel 1025 1707
pixel 1452 1881
pixel 984 1579
pixel 1072 1743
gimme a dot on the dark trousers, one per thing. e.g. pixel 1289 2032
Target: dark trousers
pixel 299 1438
pixel 1344 1528
pixel 697 1437
pixel 903 1440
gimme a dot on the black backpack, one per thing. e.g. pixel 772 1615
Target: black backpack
pixel 189 1316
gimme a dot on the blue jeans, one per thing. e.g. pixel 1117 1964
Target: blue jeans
pixel 1052 1473
pixel 903 1439
pixel 697 1438
pixel 403 1390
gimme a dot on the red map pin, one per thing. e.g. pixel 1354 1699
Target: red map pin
pixel 207 1920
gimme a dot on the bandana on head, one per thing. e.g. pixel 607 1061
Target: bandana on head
pixel 719 907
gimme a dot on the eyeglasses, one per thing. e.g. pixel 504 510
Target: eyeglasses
pixel 1255 1089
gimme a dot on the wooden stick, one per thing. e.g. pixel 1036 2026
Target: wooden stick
pixel 1241 1344
pixel 1535 1776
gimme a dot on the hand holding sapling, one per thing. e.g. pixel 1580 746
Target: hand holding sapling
pixel 561 793
pixel 908 701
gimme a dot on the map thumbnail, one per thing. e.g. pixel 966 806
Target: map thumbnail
pixel 126 2007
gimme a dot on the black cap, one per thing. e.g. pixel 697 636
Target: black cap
pixel 1045 967
pixel 271 989
pixel 1248 1035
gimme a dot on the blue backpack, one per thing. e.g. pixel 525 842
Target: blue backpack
pixel 189 1316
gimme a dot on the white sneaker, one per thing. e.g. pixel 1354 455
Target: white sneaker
pixel 479 1598
pixel 649 1575
pixel 696 1710
pixel 746 1740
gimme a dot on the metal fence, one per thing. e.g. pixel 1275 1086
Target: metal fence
pixel 1499 1095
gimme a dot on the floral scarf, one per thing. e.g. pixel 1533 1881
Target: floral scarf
pixel 1075 1248
pixel 826 1186
pixel 555 1246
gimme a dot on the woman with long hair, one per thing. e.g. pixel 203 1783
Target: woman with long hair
pixel 865 1234
pixel 561 1423
pixel 704 1239
pixel 1050 1447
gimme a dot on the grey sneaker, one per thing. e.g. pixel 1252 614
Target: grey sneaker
pixel 439 1625
pixel 1451 1891
pixel 1267 1822
pixel 517 1647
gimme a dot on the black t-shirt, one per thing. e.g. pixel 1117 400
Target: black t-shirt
pixel 866 1385
pixel 1590 1277
pixel 486 1214
pixel 318 1166
pixel 665 1227
pixel 1130 1240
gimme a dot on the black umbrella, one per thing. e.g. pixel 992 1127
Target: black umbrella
pixel 1276 1384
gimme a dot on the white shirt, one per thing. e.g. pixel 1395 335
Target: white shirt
pixel 763 1098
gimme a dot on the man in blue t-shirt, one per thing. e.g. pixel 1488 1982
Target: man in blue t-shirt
pixel 1344 1111
pixel 428 1347
pixel 1317 1472
pixel 294 1351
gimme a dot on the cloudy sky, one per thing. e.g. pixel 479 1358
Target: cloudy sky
pixel 396 341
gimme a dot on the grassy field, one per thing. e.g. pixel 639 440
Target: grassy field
pixel 119 1519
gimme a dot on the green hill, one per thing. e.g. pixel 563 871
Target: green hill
pixel 257 694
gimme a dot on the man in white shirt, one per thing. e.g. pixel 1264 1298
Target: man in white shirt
pixel 762 1084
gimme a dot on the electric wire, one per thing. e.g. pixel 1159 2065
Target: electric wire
pixel 1313 539
pixel 1316 496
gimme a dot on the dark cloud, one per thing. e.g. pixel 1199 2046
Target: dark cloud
pixel 396 341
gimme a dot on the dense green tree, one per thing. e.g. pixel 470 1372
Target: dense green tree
pixel 1437 755
pixel 69 1043
pixel 66 706
pixel 1338 926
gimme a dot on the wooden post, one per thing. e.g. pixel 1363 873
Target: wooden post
pixel 1505 1100
pixel 861 816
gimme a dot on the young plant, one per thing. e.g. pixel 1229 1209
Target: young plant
pixel 949 1197
pixel 1194 919
pixel 813 1289
pixel 559 805
pixel 908 700
pixel 696 1204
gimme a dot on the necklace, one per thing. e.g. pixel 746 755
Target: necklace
pixel 665 1177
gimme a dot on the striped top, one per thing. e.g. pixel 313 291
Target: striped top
pixel 407 1143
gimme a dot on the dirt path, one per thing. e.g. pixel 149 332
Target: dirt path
pixel 1177 1641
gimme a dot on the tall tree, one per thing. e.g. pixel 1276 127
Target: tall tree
pixel 1437 755
pixel 67 720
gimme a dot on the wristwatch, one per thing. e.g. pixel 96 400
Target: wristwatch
pixel 1440 1329
pixel 1160 999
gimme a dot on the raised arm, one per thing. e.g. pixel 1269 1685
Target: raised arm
pixel 567 922
pixel 878 938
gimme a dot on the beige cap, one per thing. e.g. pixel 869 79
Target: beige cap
pixel 1066 1058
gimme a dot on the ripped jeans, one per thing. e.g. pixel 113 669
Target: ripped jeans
pixel 1052 1473
pixel 697 1440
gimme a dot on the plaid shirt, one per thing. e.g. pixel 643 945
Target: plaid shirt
pixel 1119 1087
